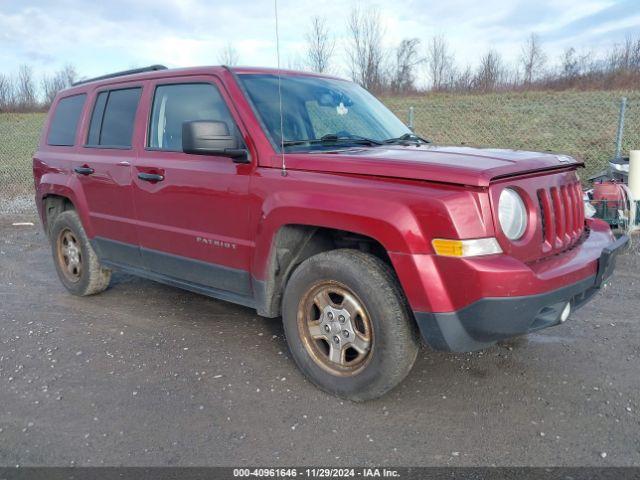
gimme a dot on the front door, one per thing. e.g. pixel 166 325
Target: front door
pixel 192 210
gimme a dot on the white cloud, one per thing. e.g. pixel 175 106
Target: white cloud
pixel 116 34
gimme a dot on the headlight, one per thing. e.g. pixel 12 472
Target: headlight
pixel 512 214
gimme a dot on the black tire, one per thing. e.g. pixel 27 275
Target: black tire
pixel 395 341
pixel 91 277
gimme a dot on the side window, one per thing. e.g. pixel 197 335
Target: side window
pixel 113 118
pixel 64 123
pixel 175 104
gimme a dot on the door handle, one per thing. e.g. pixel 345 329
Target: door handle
pixel 151 177
pixel 84 170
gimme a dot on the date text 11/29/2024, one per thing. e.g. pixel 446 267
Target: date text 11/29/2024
pixel 316 472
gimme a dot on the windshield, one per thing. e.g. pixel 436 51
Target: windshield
pixel 319 113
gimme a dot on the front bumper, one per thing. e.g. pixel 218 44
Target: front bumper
pixel 488 320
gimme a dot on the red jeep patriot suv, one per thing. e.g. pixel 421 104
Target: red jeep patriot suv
pixel 301 195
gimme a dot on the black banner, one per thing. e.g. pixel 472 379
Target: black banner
pixel 404 473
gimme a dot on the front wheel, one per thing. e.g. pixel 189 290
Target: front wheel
pixel 347 324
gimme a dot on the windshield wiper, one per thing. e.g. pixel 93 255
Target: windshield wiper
pixel 334 138
pixel 406 138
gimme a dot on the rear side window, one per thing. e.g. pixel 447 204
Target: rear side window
pixel 64 123
pixel 113 118
pixel 178 103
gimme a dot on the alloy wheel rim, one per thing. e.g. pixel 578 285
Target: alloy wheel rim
pixel 69 255
pixel 335 328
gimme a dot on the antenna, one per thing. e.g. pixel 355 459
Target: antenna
pixel 284 165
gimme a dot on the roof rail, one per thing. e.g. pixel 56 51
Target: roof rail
pixel 151 68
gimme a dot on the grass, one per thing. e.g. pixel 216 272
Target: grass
pixel 19 136
pixel 582 124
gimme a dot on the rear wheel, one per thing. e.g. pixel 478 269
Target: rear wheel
pixel 348 325
pixel 76 262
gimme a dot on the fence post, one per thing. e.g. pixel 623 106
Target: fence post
pixel 623 108
pixel 411 126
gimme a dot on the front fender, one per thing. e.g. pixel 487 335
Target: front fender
pixel 403 216
pixel 394 226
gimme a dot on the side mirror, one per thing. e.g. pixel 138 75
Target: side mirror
pixel 209 137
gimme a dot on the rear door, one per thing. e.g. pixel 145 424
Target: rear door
pixel 192 210
pixel 104 169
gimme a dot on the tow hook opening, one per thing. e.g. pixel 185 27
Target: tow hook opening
pixel 551 315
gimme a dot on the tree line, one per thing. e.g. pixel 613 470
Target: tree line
pixel 413 66
pixel 24 92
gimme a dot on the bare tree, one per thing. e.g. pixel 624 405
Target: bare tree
pixel 512 77
pixel 6 93
pixel 320 45
pixel 406 60
pixel 26 98
pixel 439 62
pixel 625 57
pixel 635 55
pixel 364 50
pixel 229 55
pixel 573 64
pixel 569 66
pixel 461 80
pixel 532 59
pixel 70 74
pixel 490 73
pixel 52 84
pixel 295 62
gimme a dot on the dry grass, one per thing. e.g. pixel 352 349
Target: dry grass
pixel 582 124
pixel 19 135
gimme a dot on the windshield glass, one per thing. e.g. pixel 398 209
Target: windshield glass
pixel 319 113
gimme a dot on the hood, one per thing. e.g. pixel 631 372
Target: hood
pixel 459 165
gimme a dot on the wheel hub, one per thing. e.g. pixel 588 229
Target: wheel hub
pixel 337 328
pixel 69 255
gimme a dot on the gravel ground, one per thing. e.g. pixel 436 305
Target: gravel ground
pixel 146 374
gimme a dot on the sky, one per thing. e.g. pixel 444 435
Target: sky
pixel 102 36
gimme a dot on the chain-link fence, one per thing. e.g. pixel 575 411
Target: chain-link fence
pixel 583 124
pixel 19 135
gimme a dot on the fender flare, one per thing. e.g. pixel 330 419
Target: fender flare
pixel 70 189
pixel 393 237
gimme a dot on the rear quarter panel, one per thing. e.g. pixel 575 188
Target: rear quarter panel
pixel 52 165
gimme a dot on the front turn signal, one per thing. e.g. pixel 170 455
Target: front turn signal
pixel 466 248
